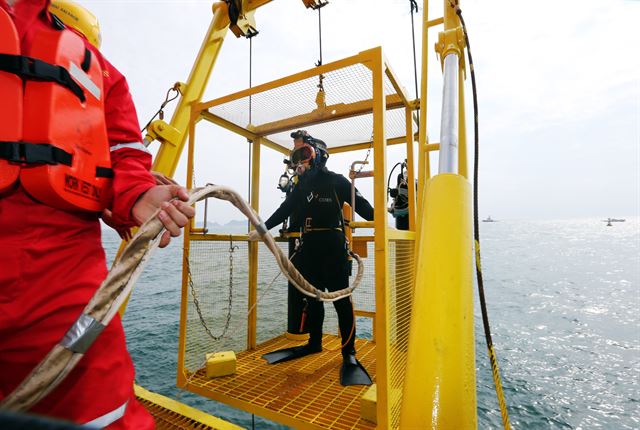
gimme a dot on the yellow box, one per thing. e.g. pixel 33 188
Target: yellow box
pixel 368 403
pixel 221 363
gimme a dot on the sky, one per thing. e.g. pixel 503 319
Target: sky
pixel 558 87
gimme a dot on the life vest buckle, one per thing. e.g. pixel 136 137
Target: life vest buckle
pixel 38 154
pixel 10 151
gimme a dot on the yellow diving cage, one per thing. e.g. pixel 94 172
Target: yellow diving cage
pixel 355 103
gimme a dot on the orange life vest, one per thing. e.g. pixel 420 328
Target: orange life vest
pixel 53 136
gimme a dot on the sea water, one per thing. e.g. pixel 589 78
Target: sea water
pixel 563 300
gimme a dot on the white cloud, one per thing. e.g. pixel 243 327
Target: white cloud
pixel 550 75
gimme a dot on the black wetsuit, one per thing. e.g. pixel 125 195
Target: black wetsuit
pixel 296 301
pixel 323 259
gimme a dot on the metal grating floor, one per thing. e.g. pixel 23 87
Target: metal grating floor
pixel 303 393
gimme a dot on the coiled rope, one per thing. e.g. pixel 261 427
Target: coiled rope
pixel 106 301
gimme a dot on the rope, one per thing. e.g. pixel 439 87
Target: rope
pixel 476 233
pixel 117 286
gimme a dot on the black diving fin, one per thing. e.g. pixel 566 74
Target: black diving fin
pixel 352 372
pixel 292 353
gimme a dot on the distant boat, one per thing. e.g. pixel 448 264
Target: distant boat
pixel 488 219
pixel 610 220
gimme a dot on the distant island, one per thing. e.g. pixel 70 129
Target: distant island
pixel 233 226
pixel 489 219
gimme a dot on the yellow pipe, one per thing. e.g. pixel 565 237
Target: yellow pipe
pixel 381 243
pixel 440 386
pixel 411 188
pixel 184 295
pixel 423 169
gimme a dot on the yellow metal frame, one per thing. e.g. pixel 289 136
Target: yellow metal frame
pixel 436 222
pixel 374 60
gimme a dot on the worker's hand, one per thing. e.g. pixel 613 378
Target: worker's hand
pixel 107 217
pixel 162 179
pixel 253 236
pixel 174 212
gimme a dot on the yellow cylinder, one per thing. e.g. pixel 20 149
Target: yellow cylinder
pixel 440 387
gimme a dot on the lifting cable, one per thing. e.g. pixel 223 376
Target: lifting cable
pixel 476 233
pixel 319 7
pixel 413 4
pixel 250 36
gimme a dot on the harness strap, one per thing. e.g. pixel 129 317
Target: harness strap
pixel 104 172
pixel 38 70
pixel 34 153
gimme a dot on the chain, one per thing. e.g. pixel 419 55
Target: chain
pixel 232 248
pixel 196 302
pixel 366 157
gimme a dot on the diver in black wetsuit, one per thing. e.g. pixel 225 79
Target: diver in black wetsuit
pixel 322 259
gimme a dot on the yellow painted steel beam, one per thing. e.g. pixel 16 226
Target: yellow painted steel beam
pixel 328 114
pixel 201 419
pixel 207 237
pixel 367 314
pixel 363 57
pixel 363 224
pixel 363 238
pixel 440 386
pixel 206 115
pixel 252 317
pixel 382 325
pixel 432 147
pixel 395 234
pixel 435 22
pixel 184 293
pixel 400 89
pixel 168 156
pixel 365 145
pixel 424 168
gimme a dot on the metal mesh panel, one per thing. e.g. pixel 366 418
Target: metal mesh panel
pixel 219 284
pixel 364 297
pixel 347 85
pixel 401 277
pixel 221 294
pixel 272 296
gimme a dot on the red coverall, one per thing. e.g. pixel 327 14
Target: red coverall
pixel 52 261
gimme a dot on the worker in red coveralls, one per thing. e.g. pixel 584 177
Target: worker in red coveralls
pixel 70 150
